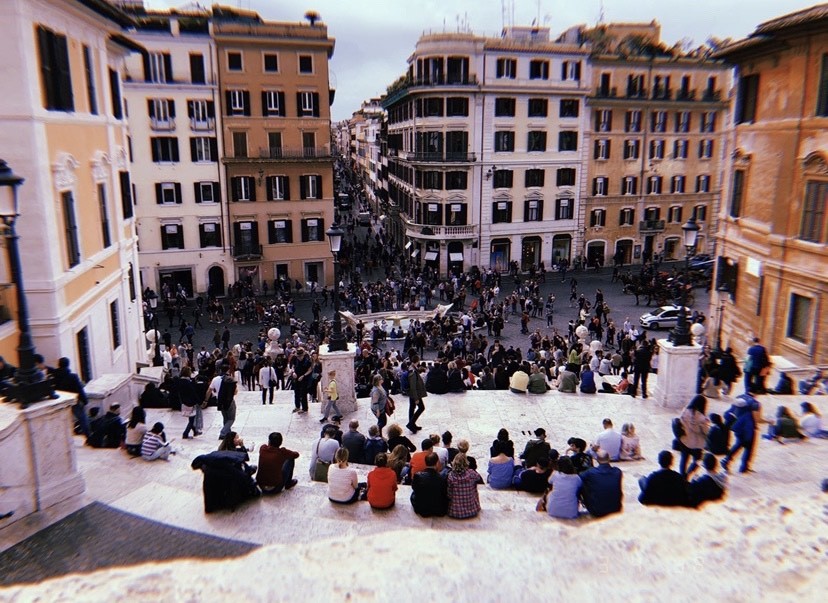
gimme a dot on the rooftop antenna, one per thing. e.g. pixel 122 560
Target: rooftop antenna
pixel 601 12
pixel 538 18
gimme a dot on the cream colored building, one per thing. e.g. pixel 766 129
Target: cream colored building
pixel 63 129
pixel 772 272
pixel 175 135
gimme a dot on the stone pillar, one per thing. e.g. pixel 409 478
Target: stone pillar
pixel 343 364
pixel 45 471
pixel 678 370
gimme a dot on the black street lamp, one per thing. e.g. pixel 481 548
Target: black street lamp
pixel 681 334
pixel 152 299
pixel 29 385
pixel 337 341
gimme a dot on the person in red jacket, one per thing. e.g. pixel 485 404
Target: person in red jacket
pixel 382 484
pixel 275 466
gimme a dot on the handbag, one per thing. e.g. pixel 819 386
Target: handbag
pixel 320 470
pixel 390 407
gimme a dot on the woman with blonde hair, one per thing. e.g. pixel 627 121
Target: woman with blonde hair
pixel 464 501
pixel 343 484
pixel 630 444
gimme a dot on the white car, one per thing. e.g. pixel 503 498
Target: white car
pixel 663 317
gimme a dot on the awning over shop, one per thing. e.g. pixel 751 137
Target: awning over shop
pixel 430 256
pixel 455 257
pixel 415 253
pixel 408 245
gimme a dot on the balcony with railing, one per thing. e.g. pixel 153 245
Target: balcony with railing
pixel 162 125
pixel 290 153
pixel 202 125
pixel 606 92
pixel 438 156
pixel 651 225
pixel 712 96
pixel 685 95
pixel 435 233
pixel 247 252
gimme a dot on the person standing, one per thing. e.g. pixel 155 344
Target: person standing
pixel 416 393
pixel 190 403
pixel 65 380
pixel 223 388
pixel 757 362
pixel 267 379
pixel 696 425
pixel 302 367
pixel 744 417
pixel 379 398
pixel 641 364
pixel 333 395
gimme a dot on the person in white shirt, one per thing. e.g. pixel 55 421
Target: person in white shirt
pixel 344 487
pixel 267 379
pixel 324 449
pixel 608 440
pixel 442 453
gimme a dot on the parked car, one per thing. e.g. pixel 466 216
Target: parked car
pixel 701 262
pixel 662 317
pixel 364 218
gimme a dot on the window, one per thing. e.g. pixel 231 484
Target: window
pixel 279 231
pixel 570 107
pixel 243 188
pixel 652 214
pixel 799 318
pixel 246 238
pixel 567 140
pixel 456 181
pixel 172 236
pixel 600 186
pixel 632 148
pixel 536 141
pixel 746 98
pixel 89 70
pixel 706 148
pixel 682 122
pixel 603 120
pixel 597 218
pixel 239 144
pixel 680 149
pixel 308 144
pixel 703 183
pixel 812 226
pixel 161 113
pixel 533 210
pixel 566 177
pixel 432 180
pixel 209 235
pixel 504 141
pixel 197 73
pixel 164 149
pixel 504 107
pixel 55 74
pixel 202 114
pixel 310 186
pixel 635 86
pixel 538 107
pixel 602 149
pixel 234 61
pixel 106 235
pixel 503 179
pixel 658 121
pixel 313 229
pixel 632 121
pixel 70 228
pixel 274 144
pixel 203 148
pixel 538 70
pixel 456 214
pixel 84 363
pixel 657 149
pixel 271 62
pixel 822 100
pixel 708 122
pixel 305 63
pixel 571 70
pixel 115 324
pixel 238 102
pixel 307 104
pixel 207 192
pixel 126 194
pixel 506 68
pixel 501 212
pixel 457 70
pixel 534 178
pixel 700 213
pixel 273 103
pixel 429 107
pixel 167 193
pixel 677 184
pixel 674 214
pixel 564 209
pixel 457 106
pixel 737 191
pixel 629 185
pixel 432 214
pixel 626 217
pixel 115 91
pixel 158 67
pixel 654 185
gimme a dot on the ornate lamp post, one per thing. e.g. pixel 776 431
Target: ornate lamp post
pixel 154 336
pixel 681 334
pixel 29 386
pixel 337 341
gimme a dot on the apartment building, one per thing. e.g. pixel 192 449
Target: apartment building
pixel 655 145
pixel 772 271
pixel 485 144
pixel 175 138
pixel 64 130
pixel 275 107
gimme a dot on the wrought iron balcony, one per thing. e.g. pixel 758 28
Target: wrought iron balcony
pixel 295 153
pixel 247 252
pixel 439 156
pixel 651 225
pixel 202 125
pixel 162 125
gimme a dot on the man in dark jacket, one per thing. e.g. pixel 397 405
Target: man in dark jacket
pixel 416 393
pixel 641 365
pixel 664 487
pixel 711 486
pixel 65 380
pixel 429 495
pixel 601 490
pixel 354 441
